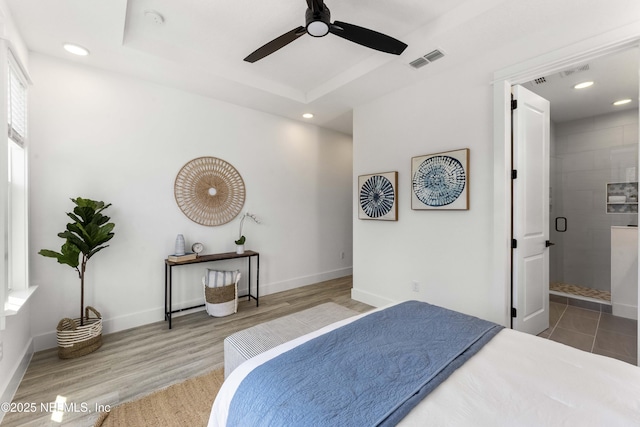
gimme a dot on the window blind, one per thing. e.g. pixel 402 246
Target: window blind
pixel 17 108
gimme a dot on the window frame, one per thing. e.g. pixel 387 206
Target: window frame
pixel 13 293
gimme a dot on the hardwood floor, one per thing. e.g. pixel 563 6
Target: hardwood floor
pixel 135 362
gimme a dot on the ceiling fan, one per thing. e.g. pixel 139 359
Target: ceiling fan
pixel 318 25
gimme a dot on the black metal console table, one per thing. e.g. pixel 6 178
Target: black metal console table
pixel 168 266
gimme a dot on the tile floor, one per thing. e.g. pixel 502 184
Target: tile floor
pixel 591 327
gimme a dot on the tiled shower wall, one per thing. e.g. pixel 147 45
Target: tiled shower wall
pixel 586 154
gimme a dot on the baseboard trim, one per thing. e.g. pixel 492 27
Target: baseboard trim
pixel 371 299
pixel 115 324
pixel 287 285
pixel 14 382
pixel 625 310
pixel 133 320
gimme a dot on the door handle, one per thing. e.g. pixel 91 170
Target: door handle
pixel 547 243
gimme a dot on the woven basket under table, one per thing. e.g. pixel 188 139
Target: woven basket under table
pixel 75 340
pixel 220 294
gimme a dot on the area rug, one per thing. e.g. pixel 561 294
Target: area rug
pixel 183 404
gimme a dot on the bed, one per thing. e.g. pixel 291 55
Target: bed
pixel 491 376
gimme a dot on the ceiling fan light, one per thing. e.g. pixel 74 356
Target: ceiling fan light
pixel 317 29
pixel 317 21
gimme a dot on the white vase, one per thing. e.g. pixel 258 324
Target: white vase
pixel 179 245
pixel 239 249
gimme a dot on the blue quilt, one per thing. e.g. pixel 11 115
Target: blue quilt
pixel 370 372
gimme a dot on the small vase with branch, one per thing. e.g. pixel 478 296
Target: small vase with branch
pixel 241 238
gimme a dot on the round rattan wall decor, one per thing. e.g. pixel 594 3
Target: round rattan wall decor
pixel 209 191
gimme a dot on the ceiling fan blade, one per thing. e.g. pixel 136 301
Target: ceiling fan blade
pixel 275 44
pixel 368 38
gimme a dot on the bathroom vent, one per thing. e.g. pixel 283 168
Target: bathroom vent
pixel 426 59
pixel 540 80
pixel 567 73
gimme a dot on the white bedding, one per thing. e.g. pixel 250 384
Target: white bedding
pixel 515 380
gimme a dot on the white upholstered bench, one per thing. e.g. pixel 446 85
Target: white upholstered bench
pixel 250 342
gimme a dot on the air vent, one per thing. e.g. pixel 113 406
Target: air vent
pixel 426 59
pixel 432 56
pixel 540 80
pixel 419 63
pixel 567 73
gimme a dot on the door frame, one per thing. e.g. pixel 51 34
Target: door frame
pixel 614 41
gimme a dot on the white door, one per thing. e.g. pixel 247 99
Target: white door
pixel 530 273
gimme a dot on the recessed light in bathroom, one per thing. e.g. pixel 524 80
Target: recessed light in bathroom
pixel 583 85
pixel 622 102
pixel 307 116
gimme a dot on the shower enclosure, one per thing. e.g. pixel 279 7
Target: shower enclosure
pixel 594 187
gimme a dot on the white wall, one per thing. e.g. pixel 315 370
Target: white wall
pixel 447 252
pixel 17 351
pixel 593 152
pixel 450 253
pixel 108 137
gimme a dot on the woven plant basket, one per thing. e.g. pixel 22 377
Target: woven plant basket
pixel 75 340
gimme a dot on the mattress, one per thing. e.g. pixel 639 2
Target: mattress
pixel 515 379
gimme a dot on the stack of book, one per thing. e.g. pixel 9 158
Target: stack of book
pixel 186 257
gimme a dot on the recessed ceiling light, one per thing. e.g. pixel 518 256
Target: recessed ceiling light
pixel 622 101
pixel 583 85
pixel 75 49
pixel 307 116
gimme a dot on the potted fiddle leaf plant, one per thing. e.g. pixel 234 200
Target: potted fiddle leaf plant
pixel 85 236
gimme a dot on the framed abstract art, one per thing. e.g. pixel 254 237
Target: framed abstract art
pixel 440 181
pixel 378 196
